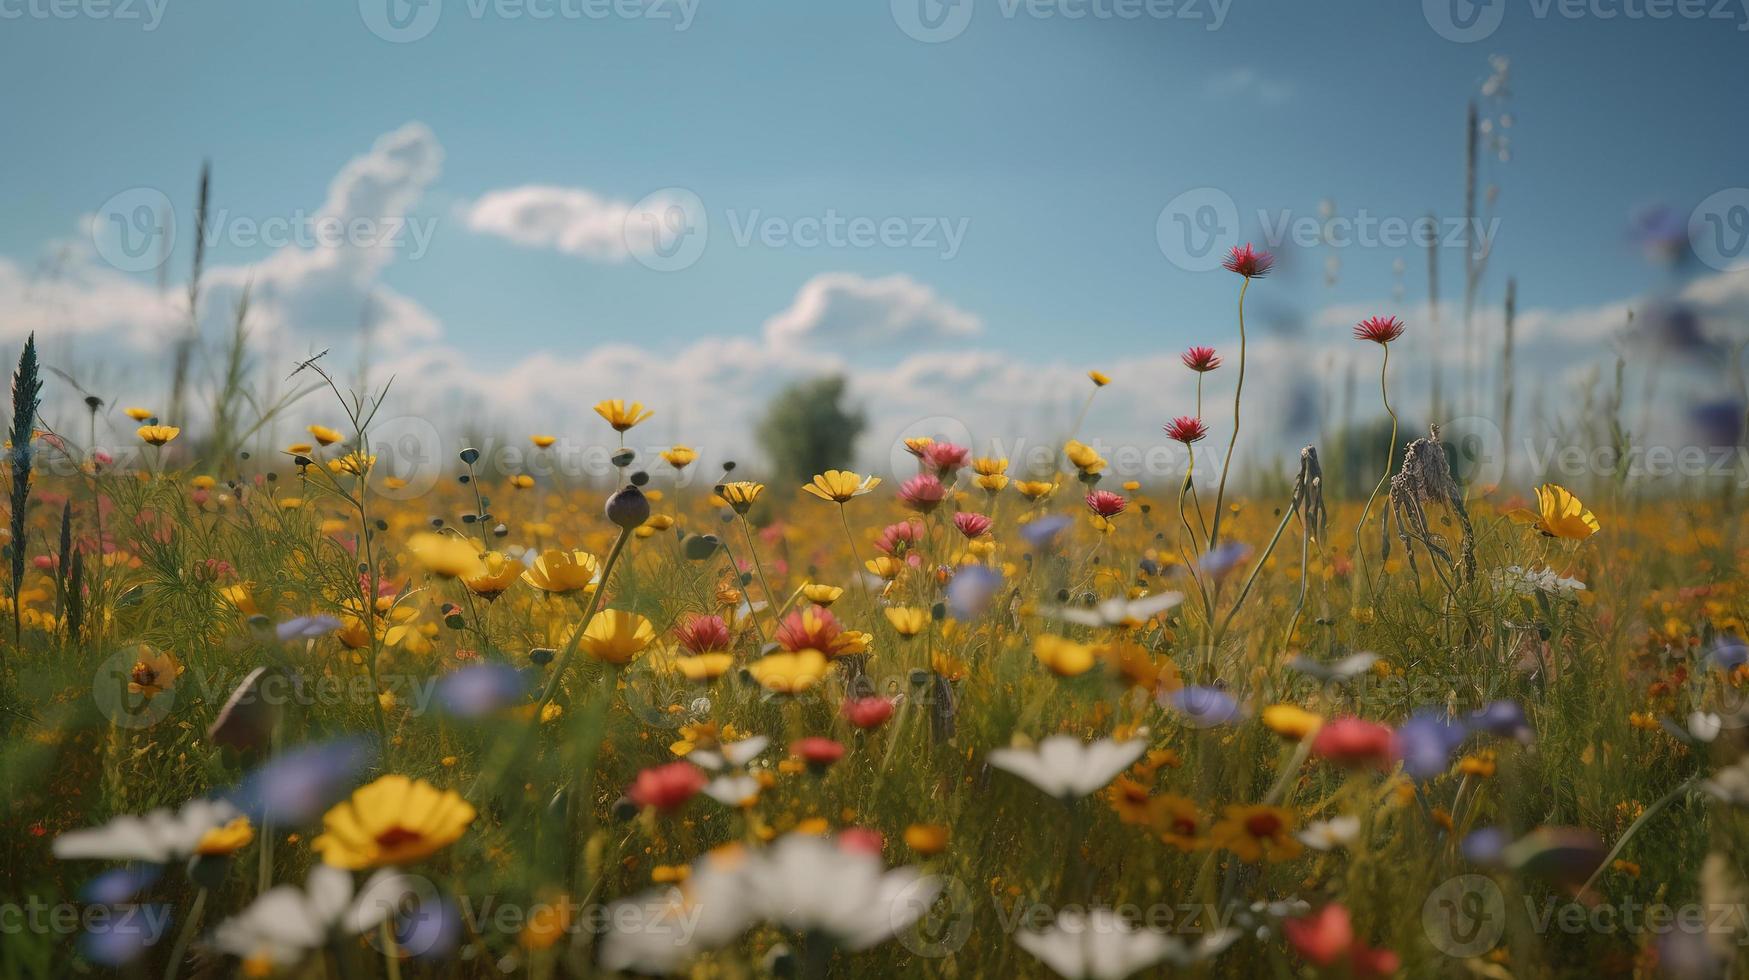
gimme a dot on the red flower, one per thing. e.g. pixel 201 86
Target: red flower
pixel 1201 359
pixel 971 525
pixel 813 628
pixel 703 634
pixel 1249 262
pixel 945 457
pixel 666 787
pixel 897 539
pixel 922 493
pixel 863 840
pixel 817 751
pixel 1354 742
pixel 1369 962
pixel 869 712
pixel 1323 937
pixel 1105 503
pixel 1379 329
pixel 1187 429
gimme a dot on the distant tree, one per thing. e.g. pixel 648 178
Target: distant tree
pixel 808 429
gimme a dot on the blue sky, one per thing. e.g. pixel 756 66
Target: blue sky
pixel 1053 143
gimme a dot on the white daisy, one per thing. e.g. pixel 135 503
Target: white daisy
pixel 1100 945
pixel 1327 835
pixel 157 837
pixel 1066 767
pixel 286 922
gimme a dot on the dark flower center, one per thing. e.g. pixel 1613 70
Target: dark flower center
pixel 1262 824
pixel 396 836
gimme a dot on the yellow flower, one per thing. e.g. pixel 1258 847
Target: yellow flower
pixel 1178 821
pixel 1256 833
pixel 446 555
pixel 300 449
pixel 841 485
pixel 1034 489
pixel 1062 656
pixel 154 672
pixel 324 435
pixel 1083 456
pixel 885 567
pixel 740 494
pixel 521 481
pixel 562 571
pixel 616 636
pixel 499 573
pixel 670 874
pixel 789 673
pixel 927 839
pixel 1098 378
pixel 821 595
pixel 394 820
pixel 916 444
pixel 908 620
pixel 705 666
pixel 1563 516
pixel 993 482
pixel 203 482
pixel 543 441
pixel 620 415
pixel 355 463
pixel 158 435
pixel 228 839
pixel 138 414
pixel 680 457
pixel 1291 721
pixel 990 465
pixel 548 922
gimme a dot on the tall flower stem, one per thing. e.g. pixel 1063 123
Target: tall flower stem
pixel 758 566
pixel 1390 454
pixel 1233 441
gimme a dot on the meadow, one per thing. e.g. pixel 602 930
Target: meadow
pixel 275 714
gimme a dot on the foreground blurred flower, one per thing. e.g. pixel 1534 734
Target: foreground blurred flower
pixel 481 690
pixel 1248 262
pixel 393 820
pixel 157 837
pixel 294 788
pixel 1561 515
pixel 667 786
pixel 1062 656
pixel 1068 768
pixel 497 573
pixel 287 923
pixel 841 485
pixel 615 636
pixel 446 555
pixel 789 673
pixel 562 571
pixel 158 435
pixel 1290 721
pixel 1117 611
pixel 1203 707
pixel 817 888
pixel 620 415
pixel 1100 944
pixel 1255 833
pixel 1327 936
pixel 1355 742
pixel 868 712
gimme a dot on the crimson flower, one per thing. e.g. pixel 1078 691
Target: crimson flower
pixel 1249 262
pixel 1354 742
pixel 817 751
pixel 704 634
pixel 869 712
pixel 813 628
pixel 1201 359
pixel 971 524
pixel 1187 429
pixel 1379 329
pixel 666 787
pixel 1105 503
pixel 922 493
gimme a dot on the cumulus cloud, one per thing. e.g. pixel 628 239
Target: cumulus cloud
pixel 843 309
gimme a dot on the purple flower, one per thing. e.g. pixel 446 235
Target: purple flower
pixel 971 591
pixel 124 934
pixel 1224 558
pixel 1502 718
pixel 1426 742
pixel 1485 846
pixel 1203 707
pixel 121 885
pixel 300 785
pixel 1729 652
pixel 474 692
pixel 305 628
pixel 1042 533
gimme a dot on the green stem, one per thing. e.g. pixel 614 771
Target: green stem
pixel 1238 390
pixel 185 935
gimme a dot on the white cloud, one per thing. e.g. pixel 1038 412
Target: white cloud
pixel 844 310
pixel 569 219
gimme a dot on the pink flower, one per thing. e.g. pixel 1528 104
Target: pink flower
pixel 970 524
pixel 1322 937
pixel 817 751
pixel 1354 742
pixel 864 840
pixel 897 539
pixel 945 457
pixel 666 787
pixel 1201 359
pixel 703 634
pixel 922 493
pixel 1379 329
pixel 1187 429
pixel 1105 503
pixel 869 712
pixel 814 628
pixel 1248 262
